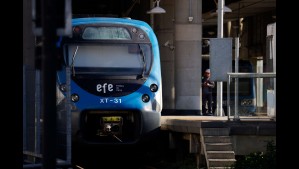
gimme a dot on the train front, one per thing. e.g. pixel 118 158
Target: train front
pixel 112 80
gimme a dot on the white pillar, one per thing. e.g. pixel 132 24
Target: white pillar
pixel 219 109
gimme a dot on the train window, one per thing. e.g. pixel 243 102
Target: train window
pixel 113 33
pixel 112 56
pixel 205 48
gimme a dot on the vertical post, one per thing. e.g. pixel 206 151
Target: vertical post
pixel 37 115
pixel 237 56
pixel 24 110
pixel 69 116
pixel 152 4
pixel 259 82
pixel 237 79
pixel 271 39
pixel 273 46
pixel 49 25
pixel 228 97
pixel 220 35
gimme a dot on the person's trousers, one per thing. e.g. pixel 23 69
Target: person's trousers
pixel 207 103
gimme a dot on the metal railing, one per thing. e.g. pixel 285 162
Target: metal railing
pixel 245 75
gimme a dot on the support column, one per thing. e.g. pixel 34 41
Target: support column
pixel 164 29
pixel 188 35
pixel 48 74
pixel 28 79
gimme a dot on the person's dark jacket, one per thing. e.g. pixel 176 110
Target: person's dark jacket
pixel 207 86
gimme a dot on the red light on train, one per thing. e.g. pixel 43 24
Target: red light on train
pixel 77 30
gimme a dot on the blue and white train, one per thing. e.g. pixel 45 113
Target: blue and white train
pixel 112 76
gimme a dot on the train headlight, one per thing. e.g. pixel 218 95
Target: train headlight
pixel 145 98
pixel 154 87
pixel 75 97
pixel 134 30
pixel 247 102
pixel 141 36
pixel 77 30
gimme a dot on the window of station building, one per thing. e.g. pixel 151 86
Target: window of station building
pixel 205 48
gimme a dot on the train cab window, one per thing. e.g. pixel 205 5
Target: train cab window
pixel 111 33
pixel 129 59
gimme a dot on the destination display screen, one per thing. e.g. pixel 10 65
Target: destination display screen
pixel 111 119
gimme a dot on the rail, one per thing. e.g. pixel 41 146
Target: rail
pixel 245 75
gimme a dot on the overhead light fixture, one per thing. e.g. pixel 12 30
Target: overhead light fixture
pixel 225 9
pixel 157 9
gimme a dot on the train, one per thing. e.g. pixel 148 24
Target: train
pixel 109 81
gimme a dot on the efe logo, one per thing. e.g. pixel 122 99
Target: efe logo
pixel 103 88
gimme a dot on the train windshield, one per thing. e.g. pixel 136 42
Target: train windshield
pixel 108 33
pixel 109 59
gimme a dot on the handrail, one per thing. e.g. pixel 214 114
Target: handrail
pixel 244 75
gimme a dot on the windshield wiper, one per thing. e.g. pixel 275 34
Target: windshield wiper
pixel 73 61
pixel 143 59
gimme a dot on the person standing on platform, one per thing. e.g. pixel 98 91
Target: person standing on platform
pixel 207 88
